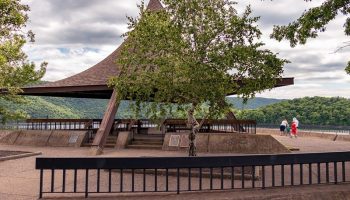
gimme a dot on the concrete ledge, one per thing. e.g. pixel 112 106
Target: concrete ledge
pixel 345 138
pixel 33 138
pixel 43 138
pixel 4 133
pixel 226 143
pixel 333 137
pixel 124 138
pixel 19 156
pixel 66 139
pixel 96 151
pixel 8 137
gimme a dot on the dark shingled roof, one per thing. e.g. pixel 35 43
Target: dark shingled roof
pixel 154 5
pixel 92 83
pixel 101 72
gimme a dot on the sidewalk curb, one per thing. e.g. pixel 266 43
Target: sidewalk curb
pixel 20 156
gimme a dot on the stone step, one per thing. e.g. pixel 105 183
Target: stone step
pixel 148 139
pixel 111 141
pixel 109 145
pixel 107 141
pixel 145 138
pixel 146 142
pixel 139 146
pixel 89 144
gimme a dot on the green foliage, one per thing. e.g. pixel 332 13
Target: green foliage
pixel 67 108
pixel 308 110
pixel 192 53
pixel 312 22
pixel 15 70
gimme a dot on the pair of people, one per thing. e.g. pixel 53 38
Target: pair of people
pixel 284 127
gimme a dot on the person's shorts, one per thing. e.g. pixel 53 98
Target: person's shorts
pixel 282 128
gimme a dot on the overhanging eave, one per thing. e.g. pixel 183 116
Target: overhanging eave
pixel 98 91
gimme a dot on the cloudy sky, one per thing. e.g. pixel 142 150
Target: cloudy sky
pixel 73 35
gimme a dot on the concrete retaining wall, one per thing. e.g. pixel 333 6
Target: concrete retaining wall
pixel 67 138
pixel 345 138
pixel 322 135
pixel 225 143
pixel 33 138
pixel 8 137
pixel 43 138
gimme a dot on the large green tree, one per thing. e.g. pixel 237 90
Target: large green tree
pixel 191 53
pixel 15 69
pixel 314 21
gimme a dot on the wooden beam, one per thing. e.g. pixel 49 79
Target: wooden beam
pixel 231 116
pixel 106 125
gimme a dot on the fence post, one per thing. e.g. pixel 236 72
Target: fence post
pixel 41 184
pixel 263 177
pixel 86 183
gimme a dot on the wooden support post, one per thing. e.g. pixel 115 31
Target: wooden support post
pixel 106 125
pixel 232 116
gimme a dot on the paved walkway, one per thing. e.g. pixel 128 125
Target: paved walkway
pixel 311 144
pixel 19 179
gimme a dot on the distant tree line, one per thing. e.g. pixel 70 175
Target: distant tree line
pixel 308 110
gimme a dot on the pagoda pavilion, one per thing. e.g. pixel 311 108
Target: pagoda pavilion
pixel 92 83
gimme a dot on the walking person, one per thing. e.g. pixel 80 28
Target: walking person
pixel 296 121
pixel 294 130
pixel 283 126
pixel 288 130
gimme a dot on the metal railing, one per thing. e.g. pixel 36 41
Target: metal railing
pixel 314 128
pixel 52 124
pixel 140 126
pixel 223 125
pixel 177 174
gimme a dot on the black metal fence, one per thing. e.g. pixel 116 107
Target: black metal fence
pixel 177 174
pixel 314 128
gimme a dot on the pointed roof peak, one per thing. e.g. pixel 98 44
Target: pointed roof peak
pixel 154 5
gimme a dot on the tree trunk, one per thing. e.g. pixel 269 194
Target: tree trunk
pixel 194 127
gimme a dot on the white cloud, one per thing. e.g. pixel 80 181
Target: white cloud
pixel 73 35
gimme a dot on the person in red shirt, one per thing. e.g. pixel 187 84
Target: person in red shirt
pixel 294 129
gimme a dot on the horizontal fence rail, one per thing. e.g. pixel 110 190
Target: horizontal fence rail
pixel 222 125
pixel 314 128
pixel 177 174
pixel 139 126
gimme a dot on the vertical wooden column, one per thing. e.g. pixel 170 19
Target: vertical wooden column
pixel 106 125
pixel 231 115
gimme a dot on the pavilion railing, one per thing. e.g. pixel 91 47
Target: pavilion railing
pixel 222 125
pixel 178 174
pixel 314 128
pixel 139 126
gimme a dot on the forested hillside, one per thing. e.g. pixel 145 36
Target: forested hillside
pixel 315 110
pixel 70 108
pixel 308 110
pixel 252 103
pixel 56 107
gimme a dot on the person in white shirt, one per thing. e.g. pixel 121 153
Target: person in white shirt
pixel 283 126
